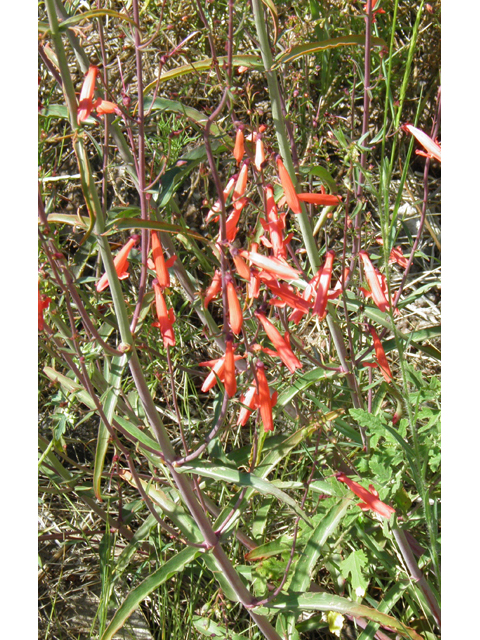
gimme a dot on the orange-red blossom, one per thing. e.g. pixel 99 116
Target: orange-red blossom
pixel 250 400
pixel 264 399
pixel 165 318
pixel 218 370
pixel 214 288
pixel 234 309
pixel 323 198
pixel 433 149
pixel 86 102
pixel 121 264
pixel 288 189
pixel 281 345
pixel 275 266
pixel 378 295
pixel 43 303
pixel 370 498
pixel 325 276
pixel 160 265
pixel 275 226
pixel 239 148
pixel 380 355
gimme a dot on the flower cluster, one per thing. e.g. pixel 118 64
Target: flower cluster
pixel 262 267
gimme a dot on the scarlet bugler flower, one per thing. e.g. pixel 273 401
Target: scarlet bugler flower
pixel 380 355
pixel 370 498
pixel 121 264
pixel 230 380
pixel 274 225
pixel 264 399
pixel 43 303
pixel 275 266
pixel 378 295
pixel 325 276
pixel 259 154
pixel 433 149
pixel 396 255
pixel 165 318
pixel 285 295
pixel 281 345
pixel 214 288
pixel 85 104
pixel 217 207
pixel 323 198
pixel 239 149
pixel 240 186
pixel 241 266
pixel 218 369
pixel 250 400
pixel 234 308
pixel 288 188
pixel 161 266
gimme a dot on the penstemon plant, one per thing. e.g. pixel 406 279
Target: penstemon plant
pixel 240 368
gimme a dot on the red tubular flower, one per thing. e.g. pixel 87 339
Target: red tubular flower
pixel 274 225
pixel 380 355
pixel 214 288
pixel 161 267
pixel 324 285
pixel 239 149
pixel 275 266
pixel 433 149
pixel 230 380
pixel 85 104
pixel 287 296
pixel 43 303
pixel 253 288
pixel 231 228
pixel 165 318
pixel 250 400
pixel 320 198
pixel 396 255
pixel 259 154
pixel 288 188
pixel 217 207
pixel 241 266
pixel 234 309
pixel 281 345
pixel 121 264
pixel 240 186
pixel 218 368
pixel 370 500
pixel 264 399
pixel 104 106
pixel 378 295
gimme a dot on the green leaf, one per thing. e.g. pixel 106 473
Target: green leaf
pixel 328 602
pixel 166 227
pixel 303 382
pixel 114 379
pixel 137 595
pixel 308 558
pixel 211 629
pixel 226 474
pixel 250 61
pixel 378 469
pixel 321 173
pixel 353 565
pixel 314 47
